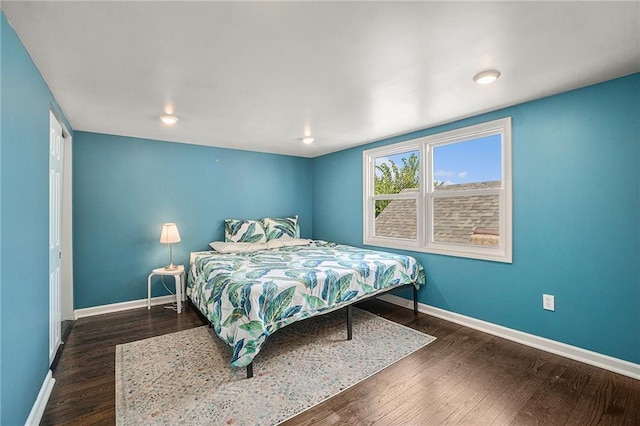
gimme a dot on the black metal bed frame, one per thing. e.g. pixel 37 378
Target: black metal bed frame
pixel 350 316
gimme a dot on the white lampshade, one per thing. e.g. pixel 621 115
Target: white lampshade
pixel 169 234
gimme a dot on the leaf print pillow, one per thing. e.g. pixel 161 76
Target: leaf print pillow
pixel 286 227
pixel 244 231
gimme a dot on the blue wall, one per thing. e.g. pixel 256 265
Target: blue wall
pixel 576 222
pixel 3 23
pixel 24 253
pixel 124 189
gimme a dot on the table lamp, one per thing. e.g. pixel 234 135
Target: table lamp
pixel 170 235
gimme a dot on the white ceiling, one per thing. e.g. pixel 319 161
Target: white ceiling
pixel 258 75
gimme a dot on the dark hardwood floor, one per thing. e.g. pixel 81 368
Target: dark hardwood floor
pixel 464 377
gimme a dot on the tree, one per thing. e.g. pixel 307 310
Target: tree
pixel 389 179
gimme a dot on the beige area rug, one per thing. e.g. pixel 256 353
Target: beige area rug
pixel 185 378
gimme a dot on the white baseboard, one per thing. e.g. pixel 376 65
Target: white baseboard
pixel 596 359
pixel 122 306
pixel 41 401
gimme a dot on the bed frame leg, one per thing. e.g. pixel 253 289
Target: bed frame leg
pixel 415 301
pixel 349 322
pixel 250 371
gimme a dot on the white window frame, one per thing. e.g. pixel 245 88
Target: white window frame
pixel 426 195
pixel 370 199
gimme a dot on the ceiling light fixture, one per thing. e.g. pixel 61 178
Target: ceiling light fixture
pixel 486 77
pixel 169 120
pixel 307 140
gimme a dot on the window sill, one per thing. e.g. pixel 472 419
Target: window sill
pixel 479 253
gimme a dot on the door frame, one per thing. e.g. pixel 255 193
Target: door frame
pixel 66 288
pixel 66 241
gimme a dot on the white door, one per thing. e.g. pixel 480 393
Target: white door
pixel 55 224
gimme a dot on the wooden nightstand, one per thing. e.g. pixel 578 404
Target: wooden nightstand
pixel 178 276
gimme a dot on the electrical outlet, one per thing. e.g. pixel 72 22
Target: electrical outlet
pixel 548 302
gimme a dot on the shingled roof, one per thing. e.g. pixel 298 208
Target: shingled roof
pixel 398 219
pixel 464 220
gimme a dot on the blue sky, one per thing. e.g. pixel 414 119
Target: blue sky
pixel 476 160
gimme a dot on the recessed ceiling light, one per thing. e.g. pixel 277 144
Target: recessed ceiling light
pixel 307 139
pixel 486 77
pixel 169 120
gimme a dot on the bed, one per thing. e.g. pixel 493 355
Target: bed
pixel 249 294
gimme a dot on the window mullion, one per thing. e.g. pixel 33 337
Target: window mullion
pixel 403 196
pixel 427 219
pixel 467 192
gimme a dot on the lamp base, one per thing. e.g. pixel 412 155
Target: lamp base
pixel 170 267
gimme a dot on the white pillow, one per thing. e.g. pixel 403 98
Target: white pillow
pixel 231 247
pixel 286 241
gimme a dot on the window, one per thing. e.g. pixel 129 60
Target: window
pixel 448 193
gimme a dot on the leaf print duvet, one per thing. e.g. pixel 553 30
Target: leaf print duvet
pixel 248 296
